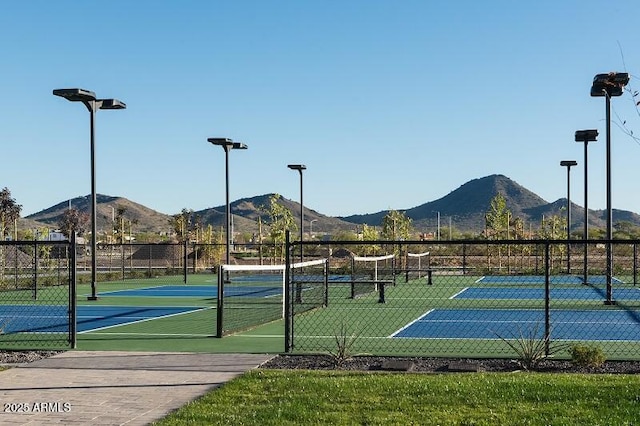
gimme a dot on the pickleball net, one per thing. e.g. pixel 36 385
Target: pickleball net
pixel 369 272
pixel 253 295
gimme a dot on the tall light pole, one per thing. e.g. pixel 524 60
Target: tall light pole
pixel 586 136
pixel 568 164
pixel 300 168
pixel 93 104
pixel 438 225
pixel 227 145
pixel 608 85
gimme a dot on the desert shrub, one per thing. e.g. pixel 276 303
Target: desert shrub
pixel 587 355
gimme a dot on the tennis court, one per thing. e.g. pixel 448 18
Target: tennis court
pixel 569 324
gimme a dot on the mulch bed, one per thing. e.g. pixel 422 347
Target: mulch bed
pixel 438 365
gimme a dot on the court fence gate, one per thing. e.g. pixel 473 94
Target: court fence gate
pixel 472 298
pixel 37 295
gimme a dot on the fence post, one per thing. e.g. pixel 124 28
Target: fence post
pixel 547 296
pixel 288 312
pixel 220 304
pixel 635 264
pixel 72 293
pixel 185 260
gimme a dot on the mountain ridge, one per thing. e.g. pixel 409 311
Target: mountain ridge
pixel 465 208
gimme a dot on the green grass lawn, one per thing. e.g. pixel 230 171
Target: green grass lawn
pixel 268 397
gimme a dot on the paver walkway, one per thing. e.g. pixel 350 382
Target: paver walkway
pixel 112 388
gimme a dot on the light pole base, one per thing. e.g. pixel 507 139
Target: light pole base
pixel 610 302
pixel 92 297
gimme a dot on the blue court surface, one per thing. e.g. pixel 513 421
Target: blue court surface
pixel 205 291
pixel 540 279
pixel 616 325
pixel 55 319
pixel 511 293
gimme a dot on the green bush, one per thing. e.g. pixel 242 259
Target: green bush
pixel 587 355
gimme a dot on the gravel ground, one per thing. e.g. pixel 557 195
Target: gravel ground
pixel 422 364
pixel 23 357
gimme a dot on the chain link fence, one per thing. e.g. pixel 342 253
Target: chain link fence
pixel 37 309
pixel 470 298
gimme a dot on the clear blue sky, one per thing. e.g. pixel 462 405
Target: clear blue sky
pixel 390 104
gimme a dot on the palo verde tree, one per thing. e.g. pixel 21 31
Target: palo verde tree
pixel 279 220
pixel 497 221
pixel 396 226
pixel 212 247
pixel 369 233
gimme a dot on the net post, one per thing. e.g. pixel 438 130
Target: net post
pixel 288 314
pixel 393 271
pixel 219 305
pixel 381 298
pixel 429 277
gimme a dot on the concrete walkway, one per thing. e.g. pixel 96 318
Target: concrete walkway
pixel 112 388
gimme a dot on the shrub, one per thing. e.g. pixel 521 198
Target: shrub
pixel 587 355
pixel 532 347
pixel 344 342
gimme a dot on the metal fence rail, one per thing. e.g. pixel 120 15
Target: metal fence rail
pixel 473 298
pixel 37 298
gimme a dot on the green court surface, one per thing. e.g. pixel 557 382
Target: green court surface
pixel 371 327
pixel 190 332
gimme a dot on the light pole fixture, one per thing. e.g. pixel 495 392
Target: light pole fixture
pixel 227 145
pixel 608 85
pixel 93 104
pixel 586 136
pixel 568 164
pixel 311 227
pixel 300 168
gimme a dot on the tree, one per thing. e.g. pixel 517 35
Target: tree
pixel 280 220
pixel 181 224
pixel 73 220
pixel 497 218
pixel 9 212
pixel 212 248
pixel 396 226
pixel 369 233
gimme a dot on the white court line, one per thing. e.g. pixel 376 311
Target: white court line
pixel 142 320
pixel 411 323
pixel 459 293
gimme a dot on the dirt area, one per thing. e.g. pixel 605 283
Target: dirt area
pixel 433 365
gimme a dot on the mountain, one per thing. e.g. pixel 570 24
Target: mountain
pixel 464 208
pixel 246 211
pixel 144 218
